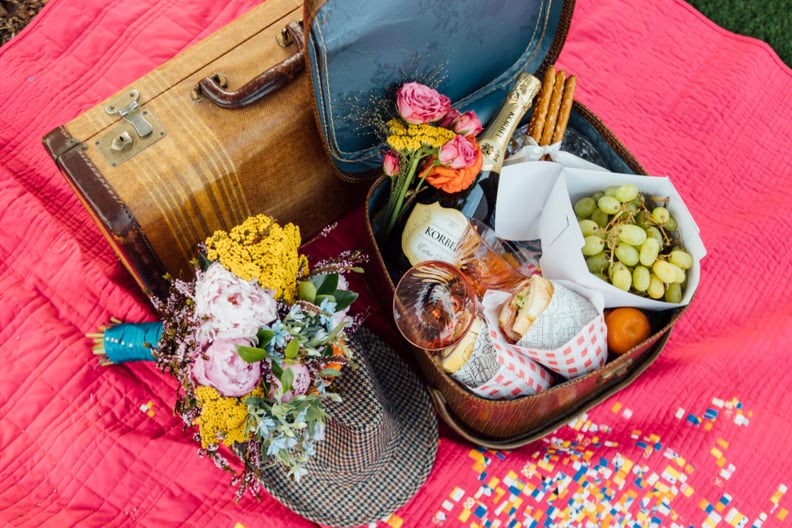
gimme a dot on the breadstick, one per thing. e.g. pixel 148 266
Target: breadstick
pixel 539 115
pixel 555 105
pixel 566 109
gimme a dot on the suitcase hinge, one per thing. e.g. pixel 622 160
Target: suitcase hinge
pixel 139 130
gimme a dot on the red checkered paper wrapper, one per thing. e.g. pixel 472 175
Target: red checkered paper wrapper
pixel 569 337
pixel 496 372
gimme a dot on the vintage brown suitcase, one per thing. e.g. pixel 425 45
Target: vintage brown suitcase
pixel 481 52
pixel 161 164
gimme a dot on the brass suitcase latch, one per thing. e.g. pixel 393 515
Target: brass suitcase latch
pixel 138 130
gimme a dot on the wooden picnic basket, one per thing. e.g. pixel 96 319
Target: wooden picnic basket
pixel 356 52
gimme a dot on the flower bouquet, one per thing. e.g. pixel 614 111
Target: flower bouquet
pixel 430 141
pixel 255 341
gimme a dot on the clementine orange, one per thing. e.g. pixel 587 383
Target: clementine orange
pixel 627 326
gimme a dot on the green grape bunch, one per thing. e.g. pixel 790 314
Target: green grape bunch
pixel 632 241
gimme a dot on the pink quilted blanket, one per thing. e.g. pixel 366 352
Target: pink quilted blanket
pixel 701 439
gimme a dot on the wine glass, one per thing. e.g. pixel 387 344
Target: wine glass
pixel 488 261
pixel 434 305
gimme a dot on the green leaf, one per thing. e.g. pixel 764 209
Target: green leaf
pixel 251 354
pixel 292 349
pixel 287 379
pixel 344 299
pixel 251 402
pixel 319 298
pixel 334 333
pixel 330 372
pixel 332 396
pixel 277 369
pixel 265 335
pixel 203 262
pixel 328 285
pixel 314 413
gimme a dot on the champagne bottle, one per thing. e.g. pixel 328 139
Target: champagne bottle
pixel 439 219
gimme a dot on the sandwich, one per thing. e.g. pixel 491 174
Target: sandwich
pixel 453 358
pixel 530 298
pixel 473 361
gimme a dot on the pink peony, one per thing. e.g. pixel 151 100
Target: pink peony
pixel 390 164
pixel 302 380
pixel 220 366
pixel 468 124
pixel 419 104
pixel 229 306
pixel 458 153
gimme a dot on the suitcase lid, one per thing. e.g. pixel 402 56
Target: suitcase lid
pixel 359 52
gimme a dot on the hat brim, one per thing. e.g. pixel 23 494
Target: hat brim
pixel 399 473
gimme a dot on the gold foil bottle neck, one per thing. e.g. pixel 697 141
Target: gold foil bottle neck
pixel 495 139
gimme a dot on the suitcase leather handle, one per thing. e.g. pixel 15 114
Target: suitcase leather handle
pixel 263 84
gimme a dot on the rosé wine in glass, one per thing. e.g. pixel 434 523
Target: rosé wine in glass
pixel 434 305
pixel 489 262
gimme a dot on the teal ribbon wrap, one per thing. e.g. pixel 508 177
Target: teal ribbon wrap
pixel 131 341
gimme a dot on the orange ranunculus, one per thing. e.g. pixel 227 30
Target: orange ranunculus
pixel 455 180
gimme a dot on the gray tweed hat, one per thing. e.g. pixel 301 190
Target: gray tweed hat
pixel 380 444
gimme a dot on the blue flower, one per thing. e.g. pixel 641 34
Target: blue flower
pixel 281 443
pixel 320 385
pixel 265 426
pixel 319 432
pixel 278 340
pixel 308 446
pixel 296 313
pixel 297 472
pixel 328 306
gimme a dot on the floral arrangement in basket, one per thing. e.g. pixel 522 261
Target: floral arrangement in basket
pixel 430 141
pixel 255 341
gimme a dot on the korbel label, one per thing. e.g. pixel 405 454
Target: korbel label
pixel 432 233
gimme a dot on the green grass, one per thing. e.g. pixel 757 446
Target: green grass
pixel 767 20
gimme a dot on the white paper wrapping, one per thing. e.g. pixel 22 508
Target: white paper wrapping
pixel 532 151
pixel 482 365
pixel 563 318
pixel 535 202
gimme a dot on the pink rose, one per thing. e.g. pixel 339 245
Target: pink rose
pixel 458 153
pixel 390 164
pixel 302 380
pixel 455 180
pixel 221 367
pixel 468 124
pixel 419 104
pixel 449 119
pixel 229 306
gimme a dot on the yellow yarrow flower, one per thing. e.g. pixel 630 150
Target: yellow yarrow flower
pixel 220 415
pixel 259 248
pixel 412 137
